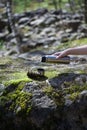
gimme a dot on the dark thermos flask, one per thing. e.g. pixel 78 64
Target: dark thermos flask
pixel 53 59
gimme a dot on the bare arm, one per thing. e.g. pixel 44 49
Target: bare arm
pixel 73 51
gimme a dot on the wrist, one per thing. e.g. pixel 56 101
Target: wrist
pixel 67 51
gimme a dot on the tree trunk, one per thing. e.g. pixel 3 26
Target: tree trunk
pixel 9 15
pixel 85 12
pixel 11 25
pixel 55 4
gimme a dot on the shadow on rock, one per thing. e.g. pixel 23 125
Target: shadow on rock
pixel 61 79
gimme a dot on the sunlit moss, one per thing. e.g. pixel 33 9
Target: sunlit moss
pixel 48 90
pixel 51 73
pixel 73 96
pixel 56 95
pixel 75 88
pixel 23 100
pixel 5 60
pixel 17 81
pixel 18 98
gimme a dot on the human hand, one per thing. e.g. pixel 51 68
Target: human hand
pixel 61 54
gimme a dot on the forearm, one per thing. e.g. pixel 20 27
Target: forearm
pixel 77 51
pixel 73 51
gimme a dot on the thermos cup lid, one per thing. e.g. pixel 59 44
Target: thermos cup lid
pixel 43 59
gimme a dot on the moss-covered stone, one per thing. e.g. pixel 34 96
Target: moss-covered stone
pixel 14 77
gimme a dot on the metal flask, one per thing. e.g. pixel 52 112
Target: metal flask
pixel 53 59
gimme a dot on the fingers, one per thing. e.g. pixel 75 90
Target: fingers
pixel 57 53
pixel 60 54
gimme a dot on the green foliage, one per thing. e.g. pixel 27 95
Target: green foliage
pixel 24 5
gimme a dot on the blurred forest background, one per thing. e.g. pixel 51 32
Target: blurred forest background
pixel 69 5
pixel 18 17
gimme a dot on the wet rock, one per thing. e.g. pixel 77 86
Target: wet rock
pixel 38 22
pixel 57 82
pixel 3 35
pixel 83 96
pixel 17 16
pixel 78 16
pixel 23 20
pixel 65 37
pixel 82 29
pixel 50 20
pixel 74 24
pixel 82 79
pixel 42 104
pixel 3 24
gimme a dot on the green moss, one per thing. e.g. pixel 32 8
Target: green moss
pixel 5 61
pixel 23 101
pixel 75 88
pixel 83 70
pixel 73 96
pixel 12 71
pixel 70 88
pixel 51 73
pixel 48 90
pixel 16 81
pixel 58 98
pixel 14 77
pixel 3 100
pixel 56 95
pixel 20 100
